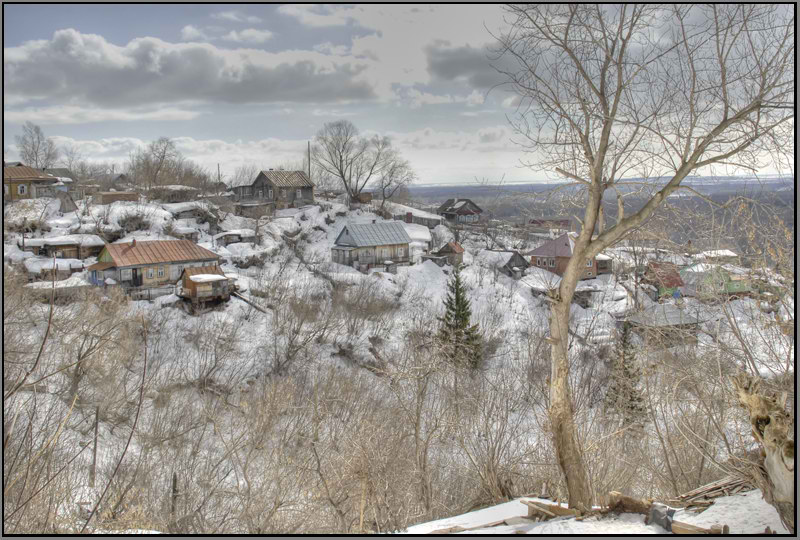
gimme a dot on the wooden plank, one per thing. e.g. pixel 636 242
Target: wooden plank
pixel 534 509
pixel 679 527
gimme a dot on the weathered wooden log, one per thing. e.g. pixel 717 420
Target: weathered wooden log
pixel 771 426
pixel 617 502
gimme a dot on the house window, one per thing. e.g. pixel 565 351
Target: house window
pixel 161 271
pixel 270 194
pixel 246 191
pixel 299 193
pixel 589 263
pixel 552 263
pixel 125 274
pixel 260 193
pixel 538 261
pixel 149 273
pixel 22 189
pixel 5 190
pixel 283 194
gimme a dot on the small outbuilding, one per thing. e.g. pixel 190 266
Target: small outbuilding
pixel 204 284
pixel 453 252
pixel 234 236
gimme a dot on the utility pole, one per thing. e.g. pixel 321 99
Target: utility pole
pixel 309 160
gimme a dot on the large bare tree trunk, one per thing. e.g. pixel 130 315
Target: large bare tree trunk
pixel 568 451
pixel 772 427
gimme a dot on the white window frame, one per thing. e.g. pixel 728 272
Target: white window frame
pixel 552 263
pixel 270 194
pixel 125 274
pixel 22 189
pixel 299 193
pixel 161 271
pixel 283 193
pixel 5 189
pixel 150 273
pixel 589 263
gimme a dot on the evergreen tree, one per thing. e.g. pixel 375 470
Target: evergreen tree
pixel 624 399
pixel 459 338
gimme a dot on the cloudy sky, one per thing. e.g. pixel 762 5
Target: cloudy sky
pixel 239 83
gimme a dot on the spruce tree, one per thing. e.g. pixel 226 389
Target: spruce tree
pixel 624 399
pixel 460 340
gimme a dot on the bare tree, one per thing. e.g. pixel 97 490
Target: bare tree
pixel 149 166
pixel 609 92
pixel 341 152
pixel 396 175
pixel 36 150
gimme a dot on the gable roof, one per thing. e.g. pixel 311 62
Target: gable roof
pixel 196 270
pixel 664 273
pixel 459 205
pixel 562 246
pixel 157 251
pixel 290 179
pixel 375 234
pixel 451 247
pixel 62 172
pixel 294 179
pixel 21 172
pixel 659 315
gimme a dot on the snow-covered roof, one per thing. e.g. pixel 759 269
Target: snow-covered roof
pixel 175 187
pixel 206 278
pixel 37 264
pixel 236 232
pixel 175 208
pixel 710 254
pixel 659 315
pixel 540 279
pixel 396 209
pixel 602 257
pixel 65 240
pixel 417 233
pixel 184 230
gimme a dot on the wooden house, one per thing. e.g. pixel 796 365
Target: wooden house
pixel 272 190
pixel 554 256
pixel 48 268
pixel 71 246
pixel 712 281
pixel 453 252
pixel 718 256
pixel 664 277
pixel 185 233
pixel 23 182
pixel 204 284
pixel 232 237
pixel 552 223
pixel 149 263
pixel 366 245
pixel 510 263
pixel 460 211
pixel 664 325
pixel 108 197
pixel 185 210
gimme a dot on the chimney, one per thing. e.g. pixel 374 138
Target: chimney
pixel 373 221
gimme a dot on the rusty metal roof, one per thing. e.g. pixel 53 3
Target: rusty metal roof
pixel 101 266
pixel 196 270
pixel 451 247
pixel 22 172
pixel 158 251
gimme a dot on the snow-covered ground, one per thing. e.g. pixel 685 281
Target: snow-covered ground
pixel 745 513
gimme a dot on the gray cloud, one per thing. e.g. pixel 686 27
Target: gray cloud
pixel 470 64
pixel 84 68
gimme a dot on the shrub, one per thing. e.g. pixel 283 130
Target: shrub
pixel 134 222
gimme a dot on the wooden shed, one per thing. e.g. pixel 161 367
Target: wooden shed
pixel 204 284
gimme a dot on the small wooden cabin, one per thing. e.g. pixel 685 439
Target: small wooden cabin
pixel 205 284
pixel 453 252
pixel 366 245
